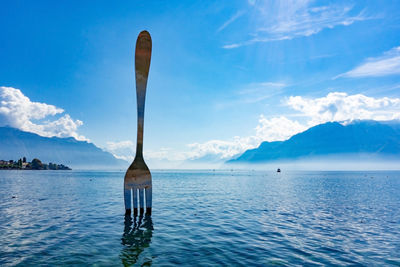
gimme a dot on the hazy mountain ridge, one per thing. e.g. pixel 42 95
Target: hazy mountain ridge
pixel 15 144
pixel 332 138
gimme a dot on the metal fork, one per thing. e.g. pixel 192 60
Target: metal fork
pixel 138 177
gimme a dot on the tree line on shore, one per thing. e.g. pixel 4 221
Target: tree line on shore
pixel 35 164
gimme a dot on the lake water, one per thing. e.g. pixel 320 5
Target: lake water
pixel 229 218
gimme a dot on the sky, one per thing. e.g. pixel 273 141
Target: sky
pixel 224 75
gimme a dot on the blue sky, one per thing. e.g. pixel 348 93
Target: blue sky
pixel 224 76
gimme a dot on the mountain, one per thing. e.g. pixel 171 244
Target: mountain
pixel 332 138
pixel 15 144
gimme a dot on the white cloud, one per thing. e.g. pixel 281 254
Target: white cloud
pixel 279 128
pixel 274 129
pixel 113 146
pixel 222 149
pixel 289 19
pixel 387 64
pixel 126 150
pixel 122 150
pixel 231 46
pixel 339 106
pixel 231 20
pixel 18 111
pixel 336 106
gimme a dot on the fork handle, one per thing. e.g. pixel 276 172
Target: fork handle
pixel 142 65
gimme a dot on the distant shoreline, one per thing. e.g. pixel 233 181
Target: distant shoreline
pixel 36 164
pixel 13 169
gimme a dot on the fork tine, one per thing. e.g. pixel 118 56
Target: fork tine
pixel 148 200
pixel 135 204
pixel 141 200
pixel 127 200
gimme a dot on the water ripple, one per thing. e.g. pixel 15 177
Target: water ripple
pixel 201 218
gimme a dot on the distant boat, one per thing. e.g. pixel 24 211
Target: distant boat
pixel 278 170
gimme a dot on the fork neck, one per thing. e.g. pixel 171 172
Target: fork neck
pixel 139 144
pixel 139 140
pixel 140 96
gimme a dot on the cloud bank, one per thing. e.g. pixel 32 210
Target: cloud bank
pixel 335 106
pixel 18 111
pixel 274 129
pixel 121 150
pixel 343 107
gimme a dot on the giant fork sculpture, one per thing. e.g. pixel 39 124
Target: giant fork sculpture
pixel 138 176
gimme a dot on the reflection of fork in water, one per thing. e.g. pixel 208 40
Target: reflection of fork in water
pixel 136 238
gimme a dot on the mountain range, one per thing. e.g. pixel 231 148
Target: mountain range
pixel 332 139
pixel 376 138
pixel 15 144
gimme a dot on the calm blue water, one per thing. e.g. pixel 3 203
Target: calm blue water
pixel 202 218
